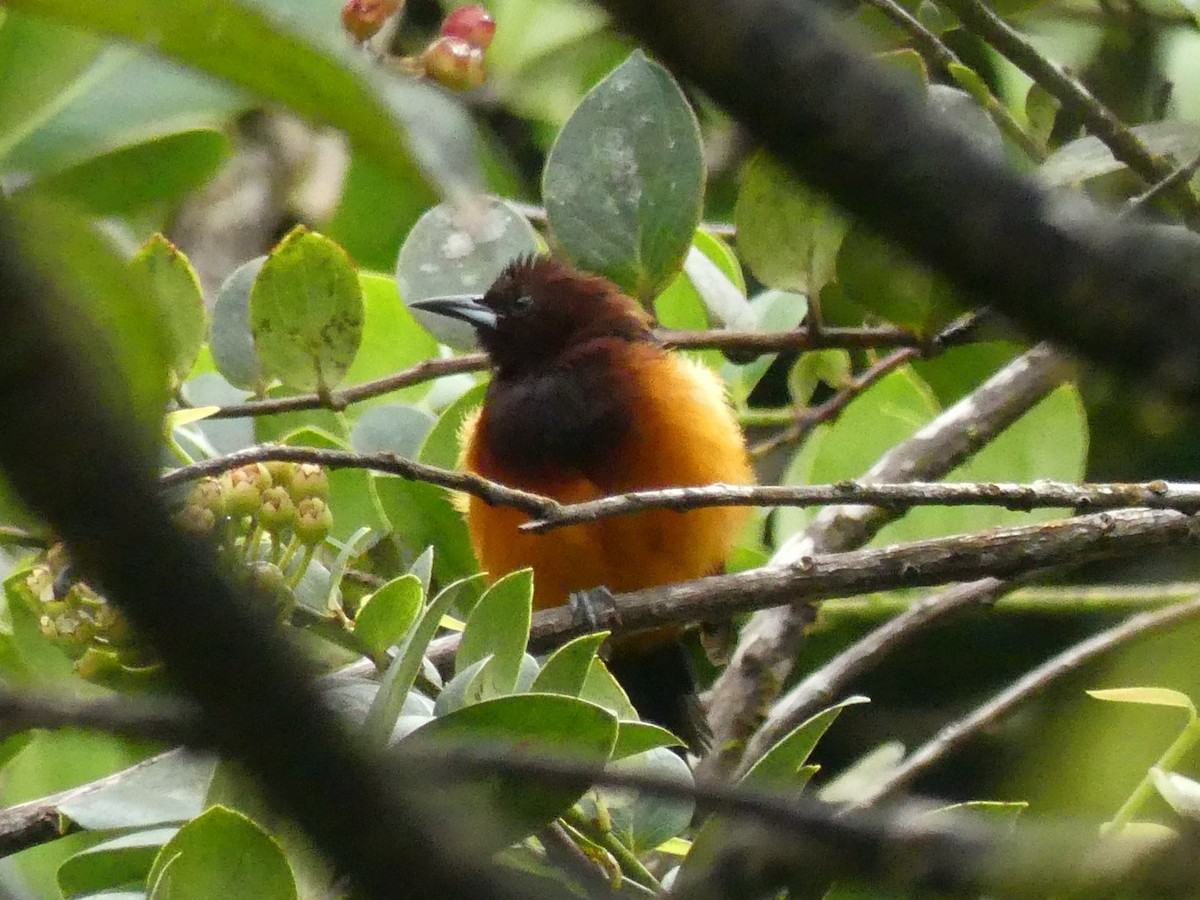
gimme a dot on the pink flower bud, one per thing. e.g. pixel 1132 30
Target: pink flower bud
pixel 471 23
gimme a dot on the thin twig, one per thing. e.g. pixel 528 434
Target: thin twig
pixel 1125 145
pixel 895 497
pixel 386 462
pixel 810 417
pixel 714 339
pixel 1181 175
pixel 822 687
pixel 958 733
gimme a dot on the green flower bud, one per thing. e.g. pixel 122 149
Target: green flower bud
pixel 208 493
pixel 309 480
pixel 278 512
pixel 196 520
pixel 268 585
pixel 314 519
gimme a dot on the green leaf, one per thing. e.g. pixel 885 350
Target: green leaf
pixel 1041 109
pixel 170 789
pixel 392 428
pixel 176 288
pixel 231 339
pixel 860 777
pixel 787 234
pixel 303 64
pixel 105 303
pixel 125 860
pixel 306 311
pixel 639 737
pixel 640 821
pixel 773 311
pixel 830 367
pixel 681 305
pixel 996 812
pixel 421 516
pixel 604 690
pixel 221 853
pixel 566 670
pixel 624 182
pixel 467 687
pixel 1147 696
pixel 388 613
pixel 38 61
pixel 391 340
pixel 499 627
pixel 1087 158
pixel 442 445
pixel 505 808
pixel 457 249
pixel 777 767
pixel 885 414
pixel 353 499
pixel 883 280
pixel 130 178
pixel 402 673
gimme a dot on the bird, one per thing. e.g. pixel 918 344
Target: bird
pixel 584 402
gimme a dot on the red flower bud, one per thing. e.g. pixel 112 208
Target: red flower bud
pixel 454 63
pixel 471 23
pixel 363 18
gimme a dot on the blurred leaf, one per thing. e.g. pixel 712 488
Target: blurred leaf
pixel 122 861
pixel 499 627
pixel 859 778
pixel 168 790
pixel 221 853
pixel 421 516
pixel 566 669
pixel 390 119
pixel 106 307
pixel 995 812
pixel 908 64
pixel 1147 696
pixel 817 367
pixel 230 335
pixel 306 311
pixel 391 340
pixel 961 110
pixel 787 234
pixel 724 298
pixel 1088 158
pixel 777 767
pixel 1181 792
pixel 422 568
pixel 460 250
pixel 639 737
pixel 130 178
pixel 38 61
pixel 388 614
pixel 401 675
pixel 624 182
pixel 681 306
pixel 1041 109
pixel 505 808
pixel 127 97
pixel 393 428
pixel 180 301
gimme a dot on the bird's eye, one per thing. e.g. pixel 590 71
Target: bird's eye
pixel 522 303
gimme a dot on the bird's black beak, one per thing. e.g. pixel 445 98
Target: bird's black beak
pixel 465 307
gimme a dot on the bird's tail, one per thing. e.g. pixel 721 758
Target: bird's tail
pixel 661 685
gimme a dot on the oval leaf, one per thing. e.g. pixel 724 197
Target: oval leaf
pixel 460 249
pixel 499 627
pixel 566 670
pixel 624 181
pixel 231 339
pixel 176 288
pixel 388 614
pixel 306 311
pixel 221 853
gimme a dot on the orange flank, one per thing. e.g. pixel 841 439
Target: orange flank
pixel 682 434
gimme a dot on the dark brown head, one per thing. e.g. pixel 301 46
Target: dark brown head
pixel 539 308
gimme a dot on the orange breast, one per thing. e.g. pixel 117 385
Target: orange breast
pixel 682 433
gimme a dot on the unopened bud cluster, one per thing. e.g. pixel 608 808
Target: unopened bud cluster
pixel 454 58
pixel 90 630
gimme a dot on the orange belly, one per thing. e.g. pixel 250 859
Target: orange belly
pixel 682 433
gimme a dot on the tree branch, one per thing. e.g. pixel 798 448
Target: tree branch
pixel 759 342
pixel 768 644
pixel 898 497
pixel 958 733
